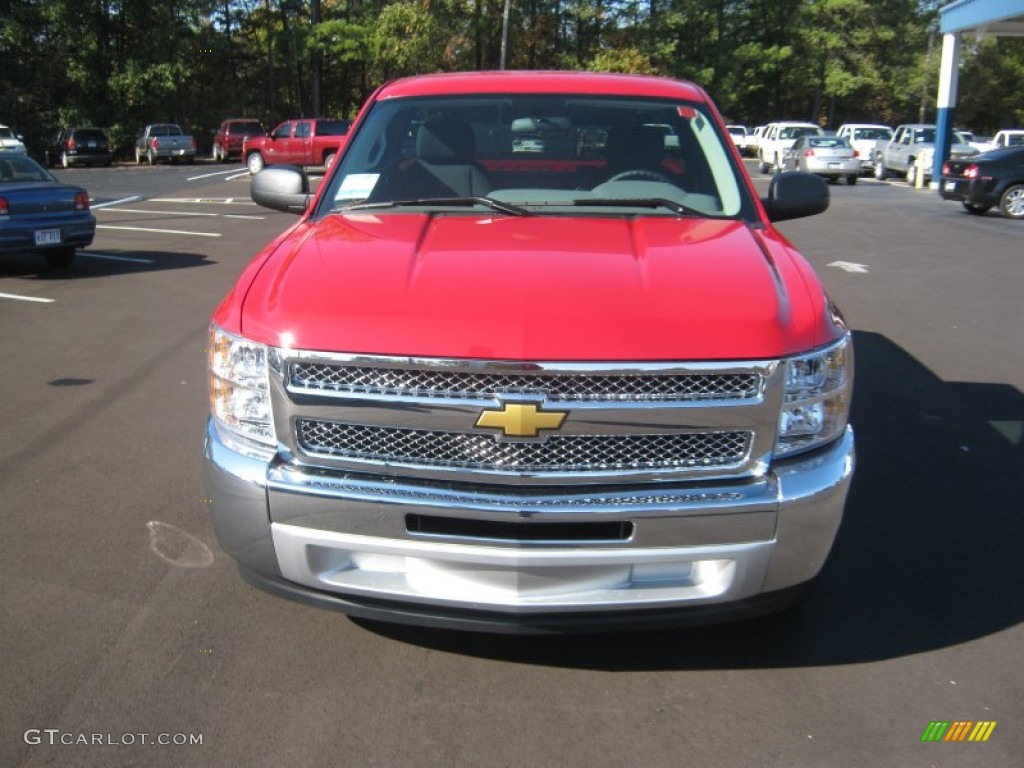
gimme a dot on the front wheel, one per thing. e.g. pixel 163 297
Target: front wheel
pixel 1011 204
pixel 881 172
pixel 912 174
pixel 328 160
pixel 976 208
pixel 255 163
pixel 762 166
pixel 851 179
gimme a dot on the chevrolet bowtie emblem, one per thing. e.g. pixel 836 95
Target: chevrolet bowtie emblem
pixel 521 419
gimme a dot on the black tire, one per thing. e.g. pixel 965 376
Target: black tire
pixel 851 179
pixel 881 172
pixel 254 162
pixel 61 259
pixel 975 208
pixel 1011 204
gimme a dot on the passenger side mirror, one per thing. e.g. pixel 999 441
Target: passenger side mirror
pixel 794 194
pixel 282 188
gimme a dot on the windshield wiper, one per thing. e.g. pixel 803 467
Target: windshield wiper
pixel 463 202
pixel 640 202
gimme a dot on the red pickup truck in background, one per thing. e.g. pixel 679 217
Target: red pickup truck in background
pixel 296 142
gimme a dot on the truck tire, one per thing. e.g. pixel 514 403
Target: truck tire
pixel 329 160
pixel 881 172
pixel 851 179
pixel 762 166
pixel 912 173
pixel 1011 204
pixel 254 163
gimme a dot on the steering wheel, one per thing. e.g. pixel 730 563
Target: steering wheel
pixel 641 174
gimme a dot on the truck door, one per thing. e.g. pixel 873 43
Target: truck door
pixel 278 148
pixel 901 150
pixel 303 143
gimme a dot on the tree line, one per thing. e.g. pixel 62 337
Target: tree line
pixel 120 64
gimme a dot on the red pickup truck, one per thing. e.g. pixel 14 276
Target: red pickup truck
pixel 572 383
pixel 296 142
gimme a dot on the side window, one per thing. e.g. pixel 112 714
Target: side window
pixel 908 137
pixel 283 131
pixel 302 130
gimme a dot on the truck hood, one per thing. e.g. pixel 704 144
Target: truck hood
pixel 540 288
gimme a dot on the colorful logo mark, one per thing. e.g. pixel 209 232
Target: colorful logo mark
pixel 958 730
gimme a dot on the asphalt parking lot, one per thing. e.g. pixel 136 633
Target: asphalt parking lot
pixel 121 617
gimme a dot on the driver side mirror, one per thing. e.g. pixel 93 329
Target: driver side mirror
pixel 795 194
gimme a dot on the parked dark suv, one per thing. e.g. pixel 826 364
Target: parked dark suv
pixel 227 142
pixel 79 146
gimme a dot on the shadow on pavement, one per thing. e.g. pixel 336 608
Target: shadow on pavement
pixel 927 556
pixel 104 263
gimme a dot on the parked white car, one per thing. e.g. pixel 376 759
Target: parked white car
pixel 863 137
pixel 741 137
pixel 779 137
pixel 10 141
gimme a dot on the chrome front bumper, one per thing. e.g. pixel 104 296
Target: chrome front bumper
pixel 346 539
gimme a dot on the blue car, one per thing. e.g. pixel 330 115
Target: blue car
pixel 39 214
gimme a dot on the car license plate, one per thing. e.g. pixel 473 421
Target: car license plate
pixel 950 186
pixel 91 144
pixel 47 237
pixel 833 165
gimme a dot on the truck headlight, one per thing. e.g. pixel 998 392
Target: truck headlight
pixel 816 404
pixel 239 387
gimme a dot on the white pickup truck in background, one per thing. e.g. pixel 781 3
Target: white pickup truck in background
pixel 864 137
pixel 1014 138
pixel 912 148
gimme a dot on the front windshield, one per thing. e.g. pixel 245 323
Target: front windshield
pixel 540 154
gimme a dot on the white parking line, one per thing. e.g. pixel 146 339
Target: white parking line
pixel 112 257
pixel 132 199
pixel 160 231
pixel 241 175
pixel 26 298
pixel 185 213
pixel 208 175
pixel 205 200
pixel 162 213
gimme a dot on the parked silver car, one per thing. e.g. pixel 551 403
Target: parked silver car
pixel 828 156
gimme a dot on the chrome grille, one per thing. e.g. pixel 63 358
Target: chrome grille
pixel 558 387
pixel 558 453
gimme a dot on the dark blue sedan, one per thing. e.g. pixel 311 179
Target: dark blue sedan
pixel 39 214
pixel 995 178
